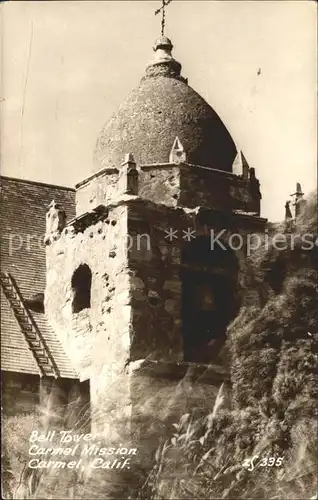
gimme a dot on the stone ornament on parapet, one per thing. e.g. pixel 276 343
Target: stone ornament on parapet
pixel 55 223
pixel 177 153
pixel 128 177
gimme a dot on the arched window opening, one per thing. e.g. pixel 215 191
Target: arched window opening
pixel 81 285
pixel 208 298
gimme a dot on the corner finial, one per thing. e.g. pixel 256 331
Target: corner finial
pixel 298 191
pixel 128 180
pixel 299 201
pixel 129 160
pixel 240 165
pixel 177 153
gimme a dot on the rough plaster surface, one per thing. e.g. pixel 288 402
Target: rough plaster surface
pixel 136 292
pixel 160 109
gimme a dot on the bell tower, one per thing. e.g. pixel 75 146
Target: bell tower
pixel 143 282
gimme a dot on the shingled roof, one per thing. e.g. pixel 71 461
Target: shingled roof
pixel 24 206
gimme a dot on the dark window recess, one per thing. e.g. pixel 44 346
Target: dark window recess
pixel 81 285
pixel 36 303
pixel 208 298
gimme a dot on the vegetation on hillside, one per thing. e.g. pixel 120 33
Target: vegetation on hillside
pixel 273 353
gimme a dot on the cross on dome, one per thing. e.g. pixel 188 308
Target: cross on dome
pixel 163 13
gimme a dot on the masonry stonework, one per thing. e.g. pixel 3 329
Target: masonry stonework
pixel 27 386
pixel 145 319
pixel 135 311
pixel 61 402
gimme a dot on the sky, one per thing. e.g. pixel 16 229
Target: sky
pixel 67 66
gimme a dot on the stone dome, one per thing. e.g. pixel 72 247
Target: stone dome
pixel 161 108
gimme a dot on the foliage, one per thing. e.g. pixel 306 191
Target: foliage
pixel 273 353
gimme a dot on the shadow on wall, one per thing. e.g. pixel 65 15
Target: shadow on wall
pixel 81 286
pixel 209 284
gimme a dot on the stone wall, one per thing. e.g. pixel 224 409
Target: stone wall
pixel 156 268
pixel 135 310
pixel 22 384
pixel 56 401
pixel 209 188
pixel 172 184
pixel 65 403
pixel 98 189
pixel 194 186
pixel 103 248
pixel 160 184
pixel 165 391
pixel 155 283
pixel 149 396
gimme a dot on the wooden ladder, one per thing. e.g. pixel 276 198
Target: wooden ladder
pixel 28 326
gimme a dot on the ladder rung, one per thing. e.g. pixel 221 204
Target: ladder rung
pixel 7 287
pixel 30 332
pixel 49 368
pixel 32 338
pixel 40 350
pixel 35 350
pixel 27 326
pixel 5 279
pixel 16 305
pixel 21 311
pixel 21 317
pixel 37 342
pixel 24 319
pixel 39 358
pixel 26 323
pixel 35 347
pixel 28 329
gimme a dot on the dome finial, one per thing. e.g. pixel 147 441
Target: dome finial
pixel 163 63
pixel 163 13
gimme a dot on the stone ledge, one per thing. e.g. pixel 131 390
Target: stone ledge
pixel 191 166
pixel 151 166
pixel 100 173
pixel 178 371
pixel 87 219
